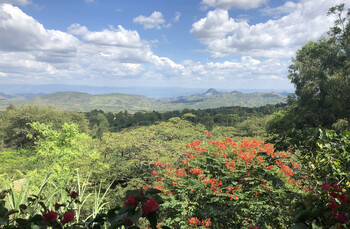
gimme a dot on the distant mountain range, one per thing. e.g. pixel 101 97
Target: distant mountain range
pixel 80 101
pixel 30 91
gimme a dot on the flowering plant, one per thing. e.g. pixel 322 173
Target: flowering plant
pixel 227 184
pixel 325 207
pixel 139 203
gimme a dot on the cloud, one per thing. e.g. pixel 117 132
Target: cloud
pixel 286 8
pixel 177 16
pixel 154 21
pixel 89 1
pixel 228 4
pixel 3 74
pixel 111 37
pixel 20 32
pixel 114 56
pixel 225 36
pixel 17 2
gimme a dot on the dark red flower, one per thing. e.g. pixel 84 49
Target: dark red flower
pixel 342 218
pixel 128 222
pixel 343 198
pixel 57 206
pixel 73 194
pixel 333 205
pixel 325 186
pixel 68 217
pixel 150 206
pixel 336 187
pixel 50 216
pixel 131 201
pixel 335 195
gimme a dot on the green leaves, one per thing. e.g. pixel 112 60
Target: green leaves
pixel 320 74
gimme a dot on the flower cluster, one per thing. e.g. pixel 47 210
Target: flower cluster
pixel 59 216
pixel 336 199
pixel 144 201
pixel 228 175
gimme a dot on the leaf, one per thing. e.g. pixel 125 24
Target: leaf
pixel 135 217
pixel 11 212
pixel 315 226
pixel 299 226
pixel 300 214
pixel 153 191
pixel 152 218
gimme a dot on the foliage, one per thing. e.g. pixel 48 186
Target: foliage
pixel 325 208
pixel 324 154
pixel 230 185
pixel 140 203
pixel 224 116
pixel 14 128
pixel 320 73
pixel 132 152
pixel 83 102
pixel 66 150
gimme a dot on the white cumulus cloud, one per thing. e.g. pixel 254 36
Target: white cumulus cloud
pixel 228 4
pixel 113 37
pixel 154 21
pixel 225 36
pixel 17 2
pixel 20 32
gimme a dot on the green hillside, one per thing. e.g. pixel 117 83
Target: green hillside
pixel 78 101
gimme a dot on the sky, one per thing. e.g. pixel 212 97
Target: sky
pixel 228 44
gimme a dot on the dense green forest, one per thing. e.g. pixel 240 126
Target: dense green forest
pixel 275 166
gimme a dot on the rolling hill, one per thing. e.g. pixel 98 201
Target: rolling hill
pixel 79 101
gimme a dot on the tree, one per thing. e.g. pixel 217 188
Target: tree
pixel 14 123
pixel 320 73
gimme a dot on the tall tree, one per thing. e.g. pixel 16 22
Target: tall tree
pixel 321 75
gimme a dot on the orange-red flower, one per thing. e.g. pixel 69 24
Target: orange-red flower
pixel 193 221
pixel 206 222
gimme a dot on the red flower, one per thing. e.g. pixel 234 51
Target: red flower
pixel 131 201
pixel 68 217
pixel 128 222
pixel 154 173
pixel 325 186
pixel 342 218
pixel 50 216
pixel 334 194
pixel 206 222
pixel 73 194
pixel 343 198
pixel 193 221
pixel 336 187
pixel 150 206
pixel 333 205
pixel 57 206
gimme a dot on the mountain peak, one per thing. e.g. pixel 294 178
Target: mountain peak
pixel 211 91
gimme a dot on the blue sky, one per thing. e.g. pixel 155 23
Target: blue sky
pixel 228 44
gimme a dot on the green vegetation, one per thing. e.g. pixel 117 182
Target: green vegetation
pixel 320 73
pixel 83 102
pixel 190 168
